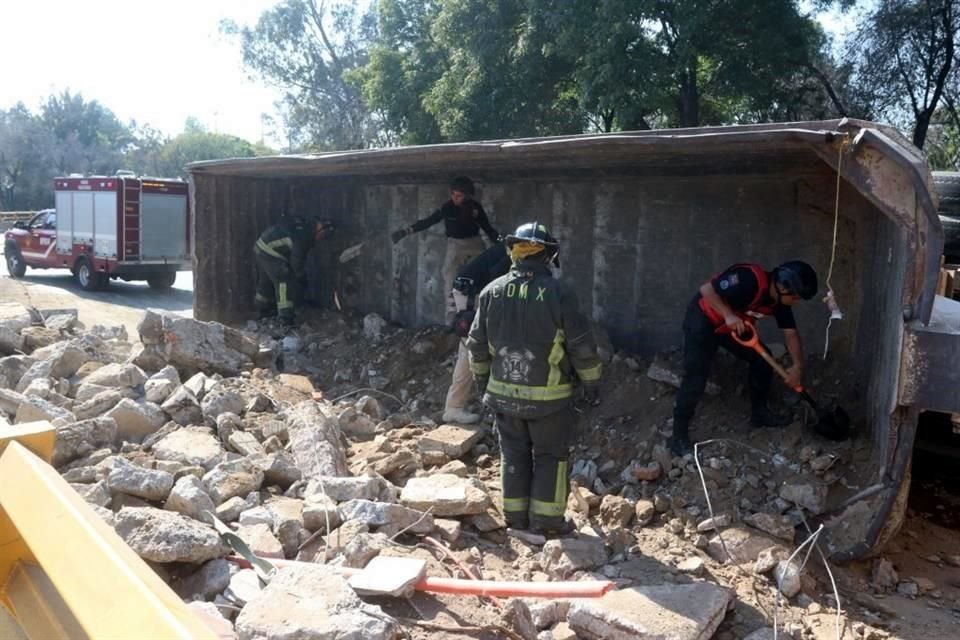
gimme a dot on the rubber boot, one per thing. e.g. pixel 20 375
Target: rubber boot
pixel 679 442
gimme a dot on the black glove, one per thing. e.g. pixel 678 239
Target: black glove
pixel 481 382
pixel 399 235
pixel 591 395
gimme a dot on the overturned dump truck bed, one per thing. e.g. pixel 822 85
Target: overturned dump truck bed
pixel 644 218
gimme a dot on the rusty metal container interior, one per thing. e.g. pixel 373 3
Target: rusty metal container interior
pixel 643 219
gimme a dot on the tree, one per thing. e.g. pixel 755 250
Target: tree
pixel 196 144
pixel 905 56
pixel 89 136
pixel 307 48
pixel 26 161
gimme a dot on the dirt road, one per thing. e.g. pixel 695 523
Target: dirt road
pixel 122 303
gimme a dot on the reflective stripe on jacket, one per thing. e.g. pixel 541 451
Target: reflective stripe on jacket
pixel 531 338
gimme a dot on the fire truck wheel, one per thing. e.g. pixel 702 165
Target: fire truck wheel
pixel 16 267
pixel 162 281
pixel 87 278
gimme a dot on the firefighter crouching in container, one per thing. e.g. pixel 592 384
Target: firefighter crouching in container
pixel 475 275
pixel 528 344
pixel 726 303
pixel 281 253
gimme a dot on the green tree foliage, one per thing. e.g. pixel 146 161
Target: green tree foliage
pixel 26 160
pixel 306 48
pixel 196 144
pixel 905 58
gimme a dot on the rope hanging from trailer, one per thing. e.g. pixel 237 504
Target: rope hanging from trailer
pixel 830 298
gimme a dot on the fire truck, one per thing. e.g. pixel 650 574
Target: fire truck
pixel 103 227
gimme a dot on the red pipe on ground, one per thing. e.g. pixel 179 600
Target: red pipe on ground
pixel 582 589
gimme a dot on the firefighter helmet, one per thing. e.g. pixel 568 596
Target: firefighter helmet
pixel 797 277
pixel 532 232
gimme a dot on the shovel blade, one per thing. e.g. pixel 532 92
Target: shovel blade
pixel 350 253
pixel 834 425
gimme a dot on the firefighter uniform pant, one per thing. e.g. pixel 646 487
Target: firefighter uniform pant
pixel 700 342
pixel 533 469
pixel 460 251
pixel 461 387
pixel 275 286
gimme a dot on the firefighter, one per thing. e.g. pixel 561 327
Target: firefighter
pixel 463 217
pixel 475 275
pixel 528 345
pixel 726 303
pixel 281 252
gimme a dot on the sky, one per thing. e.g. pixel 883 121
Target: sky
pixel 172 58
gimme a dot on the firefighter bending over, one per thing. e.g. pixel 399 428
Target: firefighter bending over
pixel 726 303
pixel 528 345
pixel 281 252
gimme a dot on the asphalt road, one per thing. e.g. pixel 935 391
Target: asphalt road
pixel 121 303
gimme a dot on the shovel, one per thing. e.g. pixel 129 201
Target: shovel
pixel 834 425
pixel 354 251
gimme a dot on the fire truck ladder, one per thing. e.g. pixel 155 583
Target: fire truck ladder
pixel 131 220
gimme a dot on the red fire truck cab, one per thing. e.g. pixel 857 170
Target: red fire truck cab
pixel 107 227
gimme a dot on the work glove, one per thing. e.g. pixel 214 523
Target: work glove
pixel 481 382
pixel 399 235
pixel 591 395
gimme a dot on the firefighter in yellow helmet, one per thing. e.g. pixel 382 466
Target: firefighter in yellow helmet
pixel 529 347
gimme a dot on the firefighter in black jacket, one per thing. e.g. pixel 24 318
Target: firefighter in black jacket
pixel 528 345
pixel 475 275
pixel 726 303
pixel 463 218
pixel 281 252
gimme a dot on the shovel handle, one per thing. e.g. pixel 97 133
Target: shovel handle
pixel 753 342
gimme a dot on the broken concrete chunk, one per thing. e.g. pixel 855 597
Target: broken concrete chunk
pixel 197 385
pixel 10 341
pixel 261 540
pixel 787 576
pixel 743 545
pixel 191 345
pixel 136 420
pixel 562 557
pixel 12 369
pixel 134 480
pixel 221 400
pixel 117 375
pixel 287 522
pixel 245 443
pixel 768 559
pixel 389 576
pixel 356 423
pixel 97 405
pixel 678 612
pixel 370 406
pixel 97 493
pixel 39 337
pixel 776 525
pixel 34 409
pixel 318 511
pixel 615 512
pixel 363 548
pixel 192 446
pixel 212 578
pixel 14 316
pixel 244 586
pixel 342 489
pixel 282 611
pixel 446 495
pixel 189 498
pixel 809 494
pixel 449 530
pixel 717 522
pixel 451 439
pixel 229 479
pixel 279 468
pixel 164 536
pixel 182 407
pixel 231 510
pixel 162 384
pixel 381 514
pixel 315 441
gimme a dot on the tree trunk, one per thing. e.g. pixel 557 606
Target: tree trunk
pixel 689 96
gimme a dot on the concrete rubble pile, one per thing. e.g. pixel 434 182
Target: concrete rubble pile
pixel 197 420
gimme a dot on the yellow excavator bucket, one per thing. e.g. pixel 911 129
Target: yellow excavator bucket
pixel 64 573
